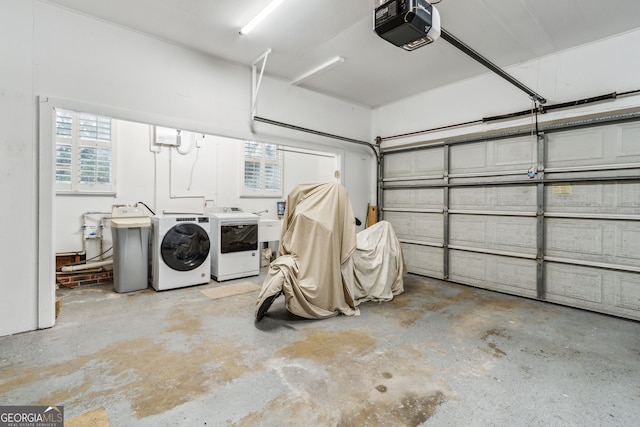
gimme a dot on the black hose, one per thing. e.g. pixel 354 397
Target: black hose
pixel 145 205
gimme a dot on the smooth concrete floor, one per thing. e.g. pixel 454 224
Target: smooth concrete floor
pixel 440 354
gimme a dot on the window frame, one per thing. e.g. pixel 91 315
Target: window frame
pixel 76 142
pixel 264 162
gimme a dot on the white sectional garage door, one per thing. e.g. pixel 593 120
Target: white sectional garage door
pixel 554 217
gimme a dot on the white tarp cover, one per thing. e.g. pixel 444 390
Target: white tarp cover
pixel 315 264
pixel 378 264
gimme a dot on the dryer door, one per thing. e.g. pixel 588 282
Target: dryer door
pixel 185 247
pixel 238 237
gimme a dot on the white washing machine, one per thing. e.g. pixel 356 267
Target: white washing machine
pixel 179 252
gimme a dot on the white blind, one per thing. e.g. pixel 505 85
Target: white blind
pixel 94 128
pixel 64 160
pixel 262 169
pixel 95 165
pixel 64 124
pixel 84 151
pixel 271 176
pixel 64 146
pixel 252 175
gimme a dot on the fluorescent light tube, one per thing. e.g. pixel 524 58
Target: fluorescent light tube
pixel 322 67
pixel 260 16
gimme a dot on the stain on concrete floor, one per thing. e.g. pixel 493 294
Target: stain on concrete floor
pixel 411 410
pixel 185 321
pixel 433 352
pixel 346 378
pixel 323 346
pixel 492 348
pixel 146 373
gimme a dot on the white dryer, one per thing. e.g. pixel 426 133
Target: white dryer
pixel 234 248
pixel 179 251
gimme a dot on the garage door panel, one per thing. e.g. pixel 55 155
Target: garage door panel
pixel 404 183
pixel 414 163
pixel 600 198
pixel 513 234
pixel 627 242
pixel 605 291
pixel 424 260
pixel 628 145
pixel 579 239
pixel 627 292
pixel 515 153
pixel 431 198
pixel 424 198
pixel 496 198
pixel 606 145
pixel 493 156
pixel 400 198
pixel 504 274
pixel 507 178
pixel 627 197
pixel 576 148
pixel 467 230
pixel 570 282
pixel 469 157
pixel 427 228
pixel 428 162
pixel 570 177
pixel 398 165
pixel 615 242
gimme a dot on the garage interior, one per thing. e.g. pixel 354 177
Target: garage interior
pixel 504 151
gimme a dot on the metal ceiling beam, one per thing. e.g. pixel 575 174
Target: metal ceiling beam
pixel 490 65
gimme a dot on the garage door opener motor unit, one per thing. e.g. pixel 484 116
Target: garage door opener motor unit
pixel 409 24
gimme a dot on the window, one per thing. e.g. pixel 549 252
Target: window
pixel 262 170
pixel 84 152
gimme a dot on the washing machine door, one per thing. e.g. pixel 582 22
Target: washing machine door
pixel 185 247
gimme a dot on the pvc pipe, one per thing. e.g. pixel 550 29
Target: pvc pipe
pixel 87 266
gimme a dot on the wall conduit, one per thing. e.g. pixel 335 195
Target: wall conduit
pixel 315 132
pixel 373 147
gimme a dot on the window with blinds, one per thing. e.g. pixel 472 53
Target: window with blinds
pixel 84 152
pixel 262 170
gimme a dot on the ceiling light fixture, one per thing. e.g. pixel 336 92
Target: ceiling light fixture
pixel 322 67
pixel 260 16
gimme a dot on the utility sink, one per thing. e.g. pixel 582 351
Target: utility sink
pixel 269 230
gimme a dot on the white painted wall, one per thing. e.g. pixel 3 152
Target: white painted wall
pixel 18 151
pixel 211 173
pixel 49 51
pixel 610 65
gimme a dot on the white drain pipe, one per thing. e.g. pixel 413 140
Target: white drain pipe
pixel 87 266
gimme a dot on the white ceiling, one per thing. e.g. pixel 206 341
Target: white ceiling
pixel 306 33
